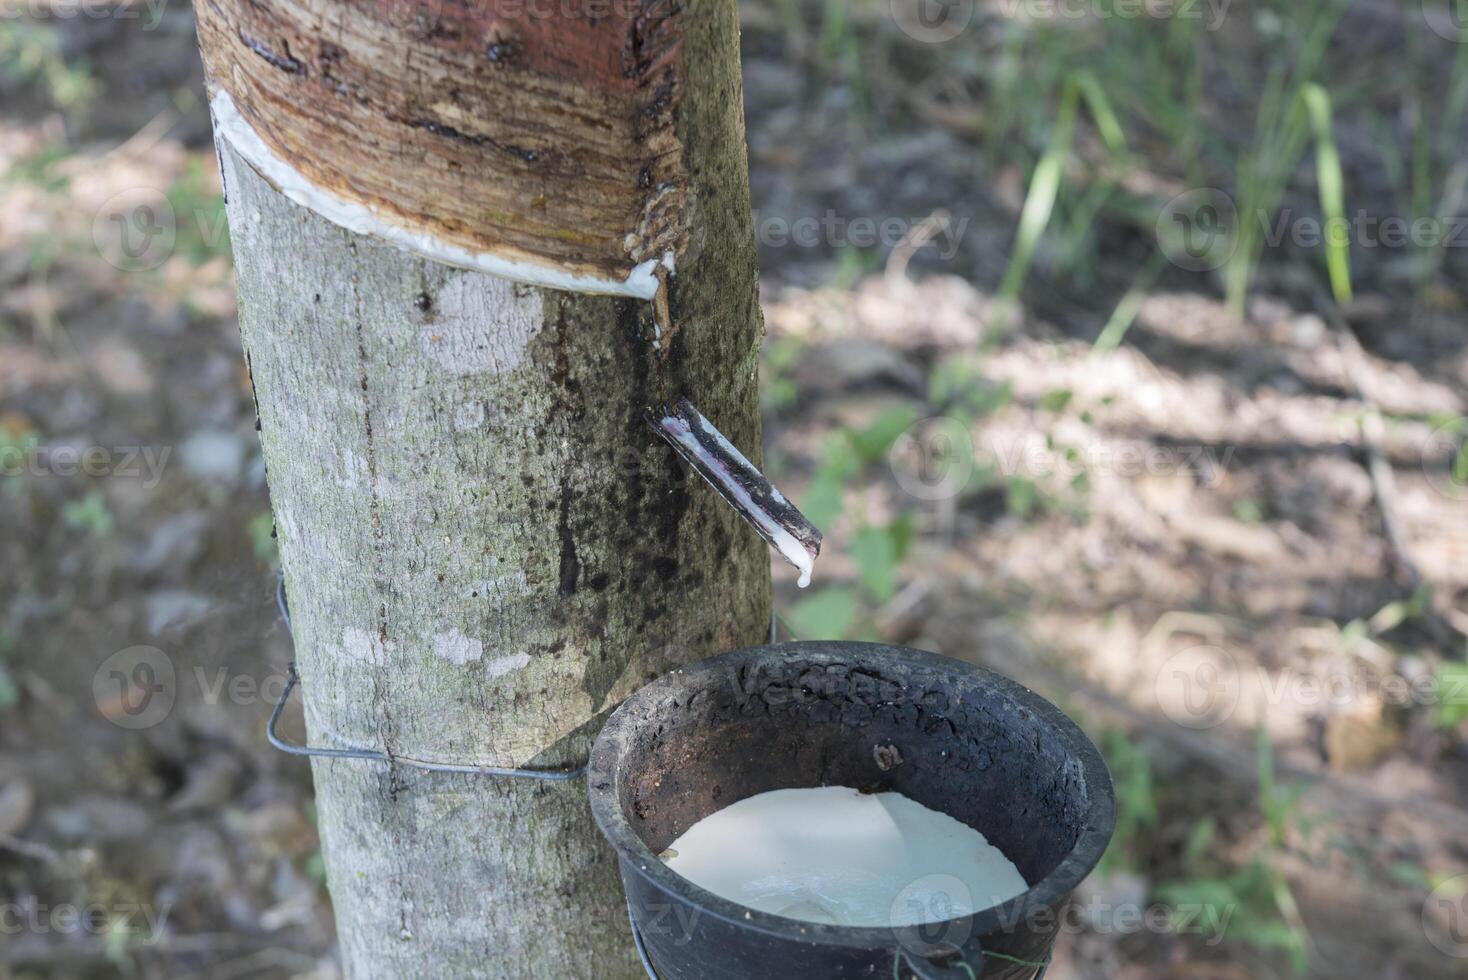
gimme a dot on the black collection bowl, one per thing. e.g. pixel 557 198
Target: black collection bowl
pixel 953 736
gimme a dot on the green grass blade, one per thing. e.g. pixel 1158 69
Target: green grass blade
pixel 1107 123
pixel 1040 201
pixel 1125 313
pixel 1332 192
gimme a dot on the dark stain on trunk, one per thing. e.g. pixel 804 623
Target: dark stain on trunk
pixel 570 564
pixel 284 62
pixel 570 406
pixel 449 132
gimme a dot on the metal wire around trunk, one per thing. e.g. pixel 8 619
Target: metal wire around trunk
pixel 373 755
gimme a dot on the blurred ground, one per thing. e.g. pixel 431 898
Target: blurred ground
pixel 1235 547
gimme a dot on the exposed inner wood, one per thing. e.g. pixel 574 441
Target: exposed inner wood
pixel 538 130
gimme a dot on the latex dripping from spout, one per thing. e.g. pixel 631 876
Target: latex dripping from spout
pixel 710 453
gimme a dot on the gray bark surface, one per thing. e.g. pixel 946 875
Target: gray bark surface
pixel 485 547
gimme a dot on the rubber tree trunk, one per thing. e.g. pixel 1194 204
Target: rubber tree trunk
pixel 485 547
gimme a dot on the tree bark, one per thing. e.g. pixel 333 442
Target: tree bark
pixel 543 131
pixel 486 548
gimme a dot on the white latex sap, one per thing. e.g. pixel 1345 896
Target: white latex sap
pixel 641 282
pixel 841 857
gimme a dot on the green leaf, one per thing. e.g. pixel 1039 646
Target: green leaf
pixel 1022 497
pixel 9 693
pixel 1273 934
pixel 1407 873
pixel 1452 686
pixel 827 615
pixel 901 533
pixel 1200 838
pixel 779 393
pixel 875 553
pixel 783 353
pixel 90 514
pixel 1136 802
pixel 261 531
pixel 1210 893
pixel 960 389
pixel 874 442
pixel 1055 401
pixel 1248 511
pixel 822 501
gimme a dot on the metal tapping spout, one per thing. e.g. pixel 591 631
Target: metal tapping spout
pixel 737 480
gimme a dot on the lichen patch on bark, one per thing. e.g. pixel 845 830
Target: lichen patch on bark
pixel 366 648
pixel 457 648
pixel 465 333
pixel 500 666
pixel 548 142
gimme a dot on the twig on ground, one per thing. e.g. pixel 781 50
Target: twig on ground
pixel 29 849
pixel 1383 479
